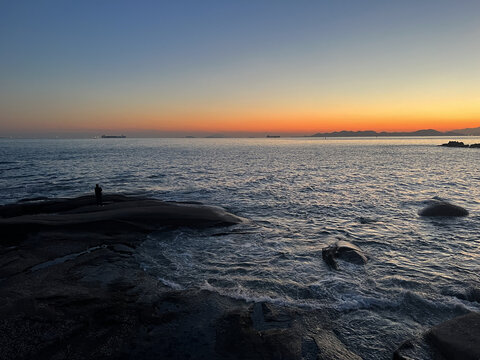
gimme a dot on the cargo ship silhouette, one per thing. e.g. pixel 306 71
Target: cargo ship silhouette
pixel 113 136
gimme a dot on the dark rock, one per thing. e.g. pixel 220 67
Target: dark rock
pixel 238 339
pixel 331 348
pixel 73 287
pixel 473 294
pixel 404 347
pixel 475 146
pixel 270 332
pixel 443 208
pixel 458 338
pixel 328 255
pixel 345 251
pixel 469 294
pixel 455 144
pixel 365 220
pixel 415 349
pixel 455 339
pixel 121 214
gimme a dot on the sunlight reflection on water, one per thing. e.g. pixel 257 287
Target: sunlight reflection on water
pixel 301 194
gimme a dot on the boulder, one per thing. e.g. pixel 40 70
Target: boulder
pixel 455 339
pixel 345 251
pixel 458 338
pixel 442 208
pixel 475 146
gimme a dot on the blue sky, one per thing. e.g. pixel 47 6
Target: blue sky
pixel 80 64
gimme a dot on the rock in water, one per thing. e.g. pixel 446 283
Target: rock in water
pixel 345 251
pixel 457 338
pixel 442 208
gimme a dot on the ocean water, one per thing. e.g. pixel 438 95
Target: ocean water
pixel 299 195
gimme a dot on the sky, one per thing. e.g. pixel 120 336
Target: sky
pixel 238 67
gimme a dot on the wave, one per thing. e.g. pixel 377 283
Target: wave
pixel 241 293
pixel 405 300
pixel 171 284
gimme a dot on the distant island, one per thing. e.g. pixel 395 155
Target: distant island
pixel 113 136
pixel 460 144
pixel 427 132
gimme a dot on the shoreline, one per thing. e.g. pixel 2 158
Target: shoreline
pixel 72 287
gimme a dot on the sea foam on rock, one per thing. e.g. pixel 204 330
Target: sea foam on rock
pixel 442 208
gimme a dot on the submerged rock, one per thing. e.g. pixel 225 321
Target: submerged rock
pixel 471 293
pixel 366 220
pixel 442 208
pixel 345 251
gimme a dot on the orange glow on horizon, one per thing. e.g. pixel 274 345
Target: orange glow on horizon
pixel 291 121
pixel 266 119
pixel 282 124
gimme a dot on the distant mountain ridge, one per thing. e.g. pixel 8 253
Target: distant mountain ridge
pixel 469 131
pixel 426 132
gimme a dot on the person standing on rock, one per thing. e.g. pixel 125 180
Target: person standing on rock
pixel 98 195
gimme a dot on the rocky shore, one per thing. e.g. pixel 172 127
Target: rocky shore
pixel 71 287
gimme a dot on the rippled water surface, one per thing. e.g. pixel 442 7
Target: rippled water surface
pixel 299 195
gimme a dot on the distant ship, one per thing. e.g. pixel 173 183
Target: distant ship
pixel 113 136
pixel 273 136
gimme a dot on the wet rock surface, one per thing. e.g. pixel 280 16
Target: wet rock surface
pixel 455 339
pixel 458 338
pixel 343 250
pixel 73 288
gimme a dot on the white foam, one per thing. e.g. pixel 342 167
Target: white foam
pixel 241 293
pixel 359 301
pixel 348 302
pixel 171 284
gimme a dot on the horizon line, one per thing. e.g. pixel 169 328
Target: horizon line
pixel 150 133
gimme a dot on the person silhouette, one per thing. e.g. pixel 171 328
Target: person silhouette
pixel 98 194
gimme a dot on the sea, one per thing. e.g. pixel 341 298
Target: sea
pixel 297 195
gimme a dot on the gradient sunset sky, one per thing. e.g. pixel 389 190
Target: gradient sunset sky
pixel 199 67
